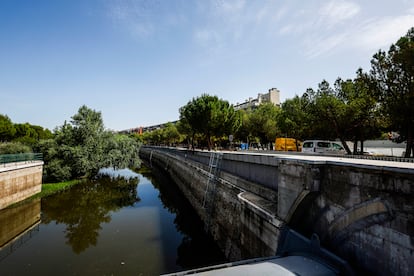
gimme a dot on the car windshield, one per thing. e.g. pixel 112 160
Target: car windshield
pixel 323 144
pixel 308 145
pixel 337 147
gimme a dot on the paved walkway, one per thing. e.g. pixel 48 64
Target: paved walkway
pixel 19 165
pixel 325 159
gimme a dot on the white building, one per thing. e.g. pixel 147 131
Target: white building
pixel 273 96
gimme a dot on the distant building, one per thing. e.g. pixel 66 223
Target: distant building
pixel 273 96
pixel 140 130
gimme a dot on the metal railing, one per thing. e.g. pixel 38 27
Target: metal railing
pixel 20 157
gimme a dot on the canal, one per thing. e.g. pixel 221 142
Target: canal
pixel 124 224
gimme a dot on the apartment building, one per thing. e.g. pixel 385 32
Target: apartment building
pixel 273 96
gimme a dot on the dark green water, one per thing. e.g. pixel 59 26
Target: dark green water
pixel 140 226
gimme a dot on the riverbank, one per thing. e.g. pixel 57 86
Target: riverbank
pixel 53 188
pixel 50 189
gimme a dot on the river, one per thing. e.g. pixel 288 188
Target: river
pixel 138 224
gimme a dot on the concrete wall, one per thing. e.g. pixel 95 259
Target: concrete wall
pixel 15 221
pixel 242 222
pixel 19 181
pixel 362 210
pixel 364 215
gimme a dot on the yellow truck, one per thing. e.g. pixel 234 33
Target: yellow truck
pixel 287 144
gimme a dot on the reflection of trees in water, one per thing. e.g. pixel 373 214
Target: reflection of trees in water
pixel 197 248
pixel 84 207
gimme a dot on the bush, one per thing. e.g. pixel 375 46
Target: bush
pixel 14 147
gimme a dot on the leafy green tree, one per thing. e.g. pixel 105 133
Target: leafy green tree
pixel 171 134
pixel 185 131
pixel 361 113
pixel 263 122
pixel 121 151
pixel 243 133
pixel 7 129
pixel 26 134
pixel 14 147
pixel 394 75
pixel 329 114
pixel 209 116
pixel 293 119
pixel 81 148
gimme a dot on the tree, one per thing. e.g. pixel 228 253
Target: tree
pixel 26 134
pixel 263 122
pixel 7 130
pixel 394 76
pixel 82 147
pixel 360 108
pixel 209 116
pixel 171 134
pixel 329 113
pixel 293 120
pixel 243 133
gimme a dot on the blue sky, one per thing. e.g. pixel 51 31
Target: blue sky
pixel 139 61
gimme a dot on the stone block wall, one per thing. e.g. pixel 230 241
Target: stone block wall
pixel 19 181
pixel 15 221
pixel 243 223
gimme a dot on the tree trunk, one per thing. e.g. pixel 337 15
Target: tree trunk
pixel 410 146
pixel 208 142
pixel 348 151
pixel 362 146
pixel 192 142
pixel 356 145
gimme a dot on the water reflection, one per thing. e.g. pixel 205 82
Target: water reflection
pixel 85 207
pixel 16 225
pixel 114 226
pixel 196 248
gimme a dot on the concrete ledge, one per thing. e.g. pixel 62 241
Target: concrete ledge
pixel 262 207
pixel 20 165
pixel 19 181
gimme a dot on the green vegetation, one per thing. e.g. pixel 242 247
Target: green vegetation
pixel 14 147
pixel 53 188
pixel 208 116
pixel 75 150
pixel 21 134
pixel 50 189
pixel 366 107
pixel 83 146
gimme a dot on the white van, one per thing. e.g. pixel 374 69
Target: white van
pixel 321 146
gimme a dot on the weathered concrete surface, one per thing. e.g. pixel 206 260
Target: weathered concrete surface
pixel 19 181
pixel 362 210
pixel 15 221
pixel 365 215
pixel 243 223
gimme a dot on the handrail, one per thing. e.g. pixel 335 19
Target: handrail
pixel 20 157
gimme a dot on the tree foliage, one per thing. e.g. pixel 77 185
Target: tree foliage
pixel 351 110
pixel 293 120
pixel 26 133
pixel 7 129
pixel 263 122
pixel 82 147
pixel 393 73
pixel 209 116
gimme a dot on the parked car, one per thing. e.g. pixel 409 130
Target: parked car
pixel 322 146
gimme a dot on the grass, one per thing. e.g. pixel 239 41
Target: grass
pixel 49 189
pixel 53 188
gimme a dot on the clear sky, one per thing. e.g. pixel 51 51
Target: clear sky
pixel 139 61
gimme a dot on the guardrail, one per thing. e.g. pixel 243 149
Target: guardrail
pixel 20 157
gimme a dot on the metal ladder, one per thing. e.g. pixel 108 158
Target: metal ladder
pixel 210 192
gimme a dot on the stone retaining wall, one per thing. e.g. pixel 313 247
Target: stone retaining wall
pixel 19 181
